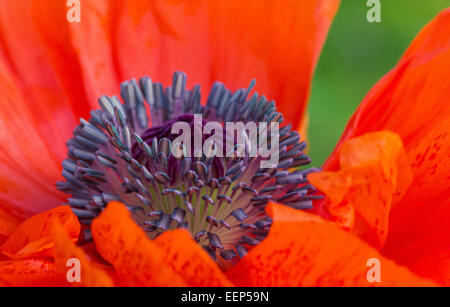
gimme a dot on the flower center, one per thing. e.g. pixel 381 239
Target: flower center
pixel 219 198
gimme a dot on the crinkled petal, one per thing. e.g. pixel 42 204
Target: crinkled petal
pixel 35 235
pixel 91 274
pixel 413 101
pixel 302 251
pixel 137 260
pixel 372 173
pixel 8 224
pixel 30 273
pixel 190 261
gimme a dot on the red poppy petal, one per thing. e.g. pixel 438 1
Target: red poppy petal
pixel 95 44
pixel 428 254
pixel 91 274
pixel 43 62
pixel 366 184
pixel 35 235
pixel 137 260
pixel 30 273
pixel 232 41
pixel 27 168
pixel 412 100
pixel 8 224
pixel 420 237
pixel 301 251
pixel 72 64
pixel 190 261
pixel 42 87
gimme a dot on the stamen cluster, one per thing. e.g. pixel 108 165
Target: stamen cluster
pixel 115 155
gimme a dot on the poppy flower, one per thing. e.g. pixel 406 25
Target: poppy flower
pixel 138 216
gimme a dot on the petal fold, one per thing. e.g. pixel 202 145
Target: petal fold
pixel 8 224
pixel 413 101
pixel 302 251
pixel 360 194
pixel 190 261
pixel 35 236
pixel 92 274
pixel 137 260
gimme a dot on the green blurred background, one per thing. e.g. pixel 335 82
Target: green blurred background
pixel 356 55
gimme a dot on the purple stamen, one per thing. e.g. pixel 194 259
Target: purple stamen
pixel 116 156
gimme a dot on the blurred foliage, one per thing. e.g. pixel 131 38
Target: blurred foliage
pixel 356 55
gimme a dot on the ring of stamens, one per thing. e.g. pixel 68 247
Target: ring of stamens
pixel 115 155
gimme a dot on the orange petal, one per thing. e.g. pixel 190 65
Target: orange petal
pixel 27 167
pixel 365 185
pixel 41 85
pixel 37 50
pixel 35 234
pixel 30 273
pixel 137 260
pixel 421 239
pixel 412 100
pixel 92 274
pixel 8 224
pixel 301 251
pixel 190 261
pixel 277 43
pixel 434 263
pixel 95 43
pixel 72 64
